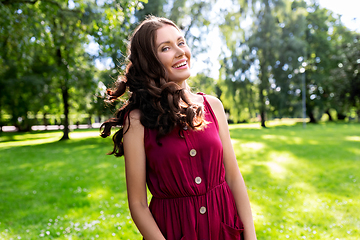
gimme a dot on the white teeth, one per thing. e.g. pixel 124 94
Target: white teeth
pixel 180 65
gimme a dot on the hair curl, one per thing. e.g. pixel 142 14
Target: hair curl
pixel 163 105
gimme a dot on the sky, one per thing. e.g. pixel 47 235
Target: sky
pixel 349 9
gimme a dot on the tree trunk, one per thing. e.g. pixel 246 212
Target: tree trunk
pixel 1 123
pixel 262 115
pixel 262 106
pixel 65 92
pixel 341 116
pixel 310 112
pixel 89 121
pixel 261 95
pixel 330 117
pixel 65 96
pixel 45 120
pixel 311 116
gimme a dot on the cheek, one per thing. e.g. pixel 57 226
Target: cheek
pixel 165 59
pixel 189 52
pixel 188 55
pixel 161 58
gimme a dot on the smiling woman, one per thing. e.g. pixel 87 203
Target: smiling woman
pixel 177 143
pixel 174 54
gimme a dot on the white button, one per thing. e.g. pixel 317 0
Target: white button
pixel 185 128
pixel 193 152
pixel 198 180
pixel 203 210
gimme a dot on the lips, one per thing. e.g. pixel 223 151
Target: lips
pixel 180 64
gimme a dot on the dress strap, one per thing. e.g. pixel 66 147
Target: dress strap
pixel 208 108
pixel 125 116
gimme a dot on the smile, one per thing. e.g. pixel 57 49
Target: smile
pixel 179 65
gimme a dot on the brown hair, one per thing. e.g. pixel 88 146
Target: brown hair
pixel 162 104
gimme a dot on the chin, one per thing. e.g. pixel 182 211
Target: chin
pixel 180 78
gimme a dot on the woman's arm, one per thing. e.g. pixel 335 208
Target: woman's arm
pixel 135 168
pixel 232 174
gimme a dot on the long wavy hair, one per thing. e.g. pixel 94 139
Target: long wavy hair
pixel 163 104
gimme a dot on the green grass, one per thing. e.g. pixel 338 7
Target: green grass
pixel 66 190
pixel 302 183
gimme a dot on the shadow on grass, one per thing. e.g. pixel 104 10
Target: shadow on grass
pixel 19 136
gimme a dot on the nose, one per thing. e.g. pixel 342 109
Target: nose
pixel 179 52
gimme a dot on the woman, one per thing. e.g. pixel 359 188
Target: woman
pixel 177 143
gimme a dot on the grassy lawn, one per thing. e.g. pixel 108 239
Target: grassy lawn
pixel 303 183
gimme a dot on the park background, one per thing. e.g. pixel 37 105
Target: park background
pixel 286 71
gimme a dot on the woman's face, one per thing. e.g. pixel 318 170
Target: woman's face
pixel 173 53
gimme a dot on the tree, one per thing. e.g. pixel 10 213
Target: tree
pixel 64 27
pixel 203 83
pixel 286 82
pixel 285 37
pixel 254 50
pixel 24 74
pixel 155 8
pixel 265 42
pixel 319 60
pixel 345 78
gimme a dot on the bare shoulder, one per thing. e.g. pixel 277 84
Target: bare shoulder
pixel 135 115
pixel 215 103
pixel 218 109
pixel 133 119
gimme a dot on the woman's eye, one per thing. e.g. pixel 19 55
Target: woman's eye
pixel 181 43
pixel 164 49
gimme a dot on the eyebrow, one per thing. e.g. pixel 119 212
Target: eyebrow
pixel 181 37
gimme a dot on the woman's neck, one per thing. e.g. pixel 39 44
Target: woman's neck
pixel 194 98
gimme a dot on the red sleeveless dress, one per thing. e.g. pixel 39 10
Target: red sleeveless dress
pixel 186 176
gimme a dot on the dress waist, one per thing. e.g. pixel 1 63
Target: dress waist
pixel 195 195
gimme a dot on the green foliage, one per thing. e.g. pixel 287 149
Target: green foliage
pixel 301 183
pixel 285 85
pixel 345 78
pixel 202 83
pixel 45 43
pixel 46 69
pixel 284 37
pixel 318 58
pixel 155 8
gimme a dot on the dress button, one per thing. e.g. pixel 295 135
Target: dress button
pixel 185 128
pixel 198 180
pixel 193 152
pixel 203 210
